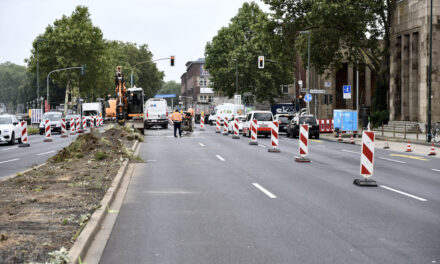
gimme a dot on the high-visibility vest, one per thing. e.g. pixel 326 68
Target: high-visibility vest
pixel 176 117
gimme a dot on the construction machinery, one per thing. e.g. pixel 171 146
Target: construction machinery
pixel 129 103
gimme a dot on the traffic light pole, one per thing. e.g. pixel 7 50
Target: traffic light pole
pixel 143 62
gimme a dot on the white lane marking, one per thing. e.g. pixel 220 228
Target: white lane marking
pixel 271 195
pixel 10 148
pixel 263 146
pixel 8 161
pixel 404 193
pixel 44 153
pixel 151 160
pixel 201 144
pixel 349 151
pixel 435 170
pixel 398 161
pixel 220 157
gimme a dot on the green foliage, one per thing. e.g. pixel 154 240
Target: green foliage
pixel 378 117
pixel 100 155
pixel 249 35
pixel 15 85
pixel 170 87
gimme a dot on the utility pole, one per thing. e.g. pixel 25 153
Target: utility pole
pixel 428 134
pixel 308 69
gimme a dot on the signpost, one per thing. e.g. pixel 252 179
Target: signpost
pixel 308 98
pixel 315 91
pixel 346 89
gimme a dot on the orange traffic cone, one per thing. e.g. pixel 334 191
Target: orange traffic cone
pixel 340 138
pixel 387 146
pixel 408 147
pixel 351 140
pixel 432 153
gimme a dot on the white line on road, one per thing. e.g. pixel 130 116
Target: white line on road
pixel 349 151
pixel 201 144
pixel 435 170
pixel 220 157
pixel 44 153
pixel 263 146
pixel 10 148
pixel 398 161
pixel 404 193
pixel 264 190
pixel 8 161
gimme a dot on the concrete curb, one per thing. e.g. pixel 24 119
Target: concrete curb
pixel 82 243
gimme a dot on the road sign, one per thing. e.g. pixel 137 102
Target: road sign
pixel 308 98
pixel 300 83
pixel 303 90
pixel 346 89
pixel 327 84
pixel 314 91
pixel 165 96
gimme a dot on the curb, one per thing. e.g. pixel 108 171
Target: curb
pixel 82 243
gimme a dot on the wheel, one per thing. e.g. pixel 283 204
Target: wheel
pixel 12 142
pixel 41 133
pixel 19 140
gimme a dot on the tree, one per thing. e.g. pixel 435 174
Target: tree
pixel 248 35
pixel 170 87
pixel 341 31
pixel 15 85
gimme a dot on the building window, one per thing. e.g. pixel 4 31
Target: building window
pixel 203 82
pixel 210 98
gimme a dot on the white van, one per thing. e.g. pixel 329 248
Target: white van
pixel 155 113
pixel 264 121
pixel 226 110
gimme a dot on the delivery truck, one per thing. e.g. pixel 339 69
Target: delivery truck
pixel 345 122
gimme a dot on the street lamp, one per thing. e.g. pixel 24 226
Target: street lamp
pixel 236 75
pixel 428 134
pixel 38 73
pixel 308 66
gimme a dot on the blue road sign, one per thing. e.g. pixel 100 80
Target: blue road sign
pixel 165 96
pixel 308 98
pixel 346 89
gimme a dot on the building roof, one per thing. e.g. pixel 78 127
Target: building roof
pixel 198 61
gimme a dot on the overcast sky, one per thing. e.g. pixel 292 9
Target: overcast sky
pixel 169 27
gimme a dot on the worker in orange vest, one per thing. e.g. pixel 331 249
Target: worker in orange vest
pixel 176 117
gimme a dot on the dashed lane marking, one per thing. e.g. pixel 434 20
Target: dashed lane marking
pixel 262 146
pixel 316 140
pixel 220 157
pixel 201 144
pixel 9 148
pixel 349 151
pixel 404 193
pixel 1 162
pixel 271 195
pixel 44 153
pixel 408 156
pixel 435 170
pixel 398 161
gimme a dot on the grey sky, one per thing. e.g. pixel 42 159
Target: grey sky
pixel 169 27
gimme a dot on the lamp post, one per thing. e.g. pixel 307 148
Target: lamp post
pixel 428 134
pixel 308 66
pixel 58 70
pixel 38 74
pixel 236 75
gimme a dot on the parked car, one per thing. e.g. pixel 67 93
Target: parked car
pixel 10 129
pixel 283 121
pixel 264 120
pixel 293 127
pixel 54 121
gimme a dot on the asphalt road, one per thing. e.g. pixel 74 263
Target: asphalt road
pixel 14 159
pixel 207 198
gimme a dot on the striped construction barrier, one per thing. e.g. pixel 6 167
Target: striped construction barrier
pixel 225 126
pixel 78 126
pixel 96 119
pixel 24 136
pixel 202 122
pixel 303 144
pixel 274 128
pixel 236 129
pixel 72 126
pixel 217 125
pixel 63 128
pixel 367 160
pixel 84 121
pixel 47 137
pixel 101 121
pixel 325 125
pixel 92 121
pixel 253 132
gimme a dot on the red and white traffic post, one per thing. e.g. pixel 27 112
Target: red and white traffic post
pixel 96 118
pixel 303 144
pixel 236 129
pixel 47 137
pixel 84 125
pixel 253 132
pixel 202 121
pixel 72 126
pixel 78 126
pixel 92 122
pixel 101 121
pixel 24 137
pixel 217 125
pixel 367 161
pixel 274 137
pixel 63 128
pixel 225 126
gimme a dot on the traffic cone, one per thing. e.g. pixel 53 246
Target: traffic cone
pixel 432 153
pixel 408 147
pixel 351 140
pixel 340 138
pixel 387 146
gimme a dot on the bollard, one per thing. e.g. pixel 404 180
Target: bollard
pixel 101 121
pixel 253 132
pixel 217 125
pixel 78 126
pixel 84 121
pixel 274 137
pixel 72 126
pixel 303 144
pixel 24 137
pixel 367 161
pixel 202 121
pixel 48 137
pixel 225 126
pixel 236 129
pixel 63 128
pixel 92 122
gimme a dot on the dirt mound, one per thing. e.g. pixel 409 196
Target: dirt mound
pixel 46 208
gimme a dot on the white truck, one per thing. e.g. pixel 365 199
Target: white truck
pixel 225 110
pixel 155 113
pixel 91 109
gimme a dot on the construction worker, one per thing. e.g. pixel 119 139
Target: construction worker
pixel 176 117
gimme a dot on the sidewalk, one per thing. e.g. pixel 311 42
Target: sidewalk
pixel 398 143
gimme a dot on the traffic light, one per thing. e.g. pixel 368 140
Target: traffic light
pixel 172 60
pixel 260 62
pixel 83 69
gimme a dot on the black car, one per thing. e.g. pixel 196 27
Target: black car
pixel 293 127
pixel 283 121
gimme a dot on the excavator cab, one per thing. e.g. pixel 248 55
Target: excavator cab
pixel 135 102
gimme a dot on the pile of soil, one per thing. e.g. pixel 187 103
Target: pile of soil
pixel 46 208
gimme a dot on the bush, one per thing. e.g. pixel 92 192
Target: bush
pixel 100 155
